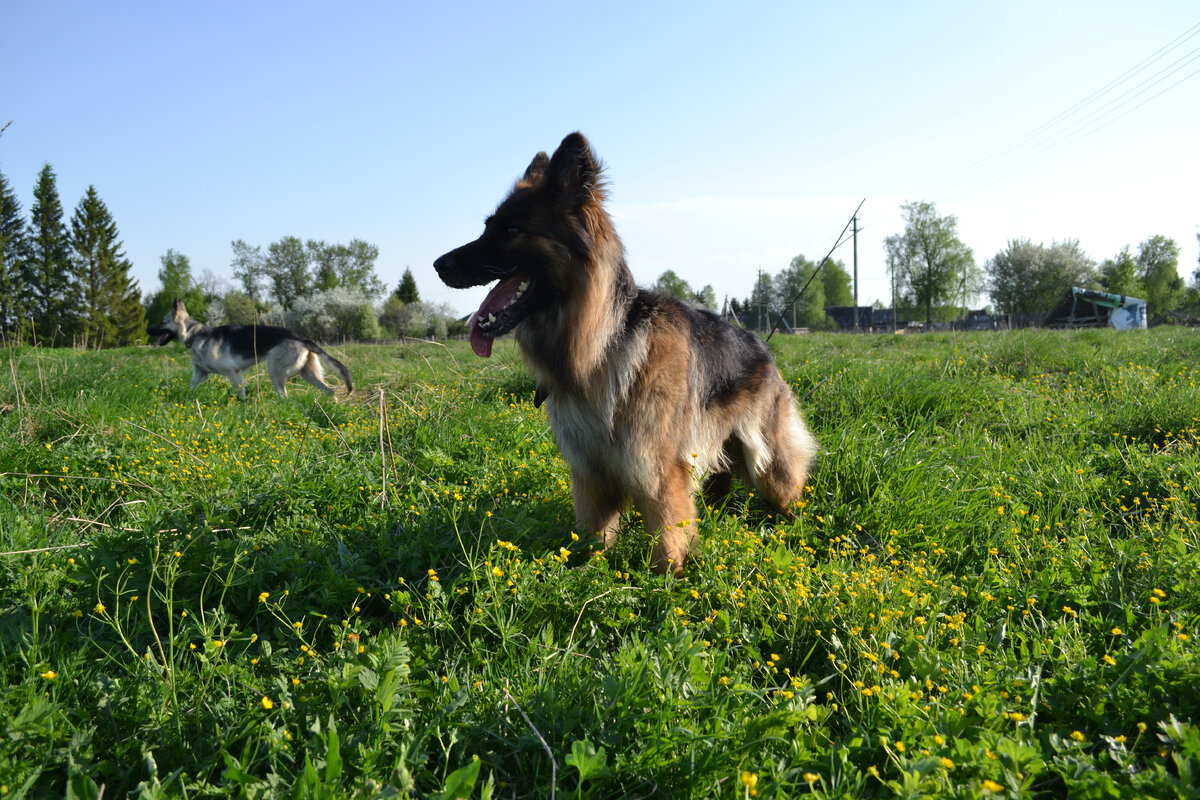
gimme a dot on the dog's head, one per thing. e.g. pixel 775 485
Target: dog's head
pixel 537 244
pixel 172 326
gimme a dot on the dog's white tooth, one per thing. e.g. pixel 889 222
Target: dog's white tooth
pixel 522 287
pixel 491 318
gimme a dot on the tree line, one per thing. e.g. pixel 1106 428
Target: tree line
pixel 68 283
pixel 773 298
pixel 934 274
pixel 329 292
pixel 60 283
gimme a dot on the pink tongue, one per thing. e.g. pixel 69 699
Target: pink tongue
pixel 497 300
pixel 481 343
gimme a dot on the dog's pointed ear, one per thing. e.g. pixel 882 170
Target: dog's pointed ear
pixel 180 309
pixel 535 171
pixel 575 171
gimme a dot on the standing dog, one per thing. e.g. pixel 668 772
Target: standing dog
pixel 230 350
pixel 646 395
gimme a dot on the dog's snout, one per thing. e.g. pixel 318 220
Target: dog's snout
pixel 444 263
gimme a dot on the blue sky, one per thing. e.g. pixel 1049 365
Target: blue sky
pixel 736 136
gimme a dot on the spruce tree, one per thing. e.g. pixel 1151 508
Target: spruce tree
pixel 50 292
pixel 112 306
pixel 406 291
pixel 12 256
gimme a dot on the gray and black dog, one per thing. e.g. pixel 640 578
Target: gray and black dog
pixel 230 350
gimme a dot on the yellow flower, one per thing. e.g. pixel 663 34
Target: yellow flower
pixel 99 608
pixel 1117 631
pixel 992 786
pixel 811 777
pixel 1077 736
pixel 50 675
pixel 749 780
pixel 947 763
pixel 267 704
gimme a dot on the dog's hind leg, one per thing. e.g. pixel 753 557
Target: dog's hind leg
pixel 284 361
pixel 314 374
pixel 718 485
pixel 779 455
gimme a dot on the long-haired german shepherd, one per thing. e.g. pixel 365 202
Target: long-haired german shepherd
pixel 646 395
pixel 230 350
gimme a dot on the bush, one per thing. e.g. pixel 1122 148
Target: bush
pixel 334 315
pixel 418 320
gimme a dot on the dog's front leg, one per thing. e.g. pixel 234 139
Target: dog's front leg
pixel 198 376
pixel 235 379
pixel 598 507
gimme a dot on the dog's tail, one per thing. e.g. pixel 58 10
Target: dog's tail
pixel 339 366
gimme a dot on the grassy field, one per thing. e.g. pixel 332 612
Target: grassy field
pixel 993 586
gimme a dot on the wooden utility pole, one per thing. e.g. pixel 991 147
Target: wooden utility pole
pixel 855 230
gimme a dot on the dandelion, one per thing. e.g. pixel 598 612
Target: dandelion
pixel 811 777
pixel 1117 631
pixel 267 704
pixel 991 786
pixel 947 763
pixel 99 607
pixel 1077 736
pixel 50 675
pixel 750 781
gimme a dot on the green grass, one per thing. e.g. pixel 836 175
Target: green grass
pixel 992 588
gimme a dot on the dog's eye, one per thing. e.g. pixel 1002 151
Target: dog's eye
pixel 511 232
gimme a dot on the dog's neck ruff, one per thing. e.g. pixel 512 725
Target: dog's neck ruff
pixel 191 337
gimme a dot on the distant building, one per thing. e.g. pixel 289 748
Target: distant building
pixel 1088 308
pixel 843 316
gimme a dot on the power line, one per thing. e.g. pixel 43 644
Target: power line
pixel 1082 128
pixel 1036 137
